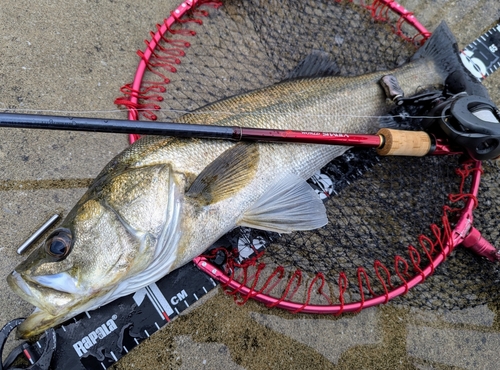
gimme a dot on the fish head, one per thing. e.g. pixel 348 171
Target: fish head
pixel 99 245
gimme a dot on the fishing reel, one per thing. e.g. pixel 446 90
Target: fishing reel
pixel 470 122
pixel 461 115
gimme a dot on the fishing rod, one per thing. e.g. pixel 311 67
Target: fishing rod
pixel 184 130
pixel 386 141
pixel 462 123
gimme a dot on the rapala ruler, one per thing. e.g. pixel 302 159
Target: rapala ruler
pixel 482 56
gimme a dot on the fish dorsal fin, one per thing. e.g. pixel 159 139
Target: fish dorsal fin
pixel 317 64
pixel 289 205
pixel 226 175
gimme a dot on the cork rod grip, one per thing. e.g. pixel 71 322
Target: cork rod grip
pixel 409 143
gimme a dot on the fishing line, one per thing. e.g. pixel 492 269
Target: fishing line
pixel 32 110
pixel 163 114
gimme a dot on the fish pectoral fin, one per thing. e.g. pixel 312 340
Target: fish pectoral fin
pixel 289 205
pixel 226 175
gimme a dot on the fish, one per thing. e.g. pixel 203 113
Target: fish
pixel 165 200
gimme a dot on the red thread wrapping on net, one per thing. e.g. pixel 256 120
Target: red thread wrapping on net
pixel 376 266
pixel 363 276
pixel 397 261
pixel 161 59
pixel 392 13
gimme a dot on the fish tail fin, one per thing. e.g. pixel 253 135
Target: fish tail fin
pixel 443 50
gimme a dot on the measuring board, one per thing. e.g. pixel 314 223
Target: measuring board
pixel 482 56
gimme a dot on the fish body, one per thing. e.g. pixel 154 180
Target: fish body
pixel 165 200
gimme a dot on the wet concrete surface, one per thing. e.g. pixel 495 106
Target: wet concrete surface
pixel 71 58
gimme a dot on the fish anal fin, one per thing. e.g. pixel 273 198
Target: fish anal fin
pixel 226 175
pixel 289 205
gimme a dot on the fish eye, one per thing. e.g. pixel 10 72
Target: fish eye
pixel 59 243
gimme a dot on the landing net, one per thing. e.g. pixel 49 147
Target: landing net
pixel 392 221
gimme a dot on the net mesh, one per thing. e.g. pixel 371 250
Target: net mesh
pixel 376 207
pixel 354 237
pixel 244 45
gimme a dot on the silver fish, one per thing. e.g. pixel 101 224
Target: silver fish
pixel 164 200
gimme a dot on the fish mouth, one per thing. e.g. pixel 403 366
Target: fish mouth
pixel 45 315
pixel 38 322
pixel 38 293
pixel 20 286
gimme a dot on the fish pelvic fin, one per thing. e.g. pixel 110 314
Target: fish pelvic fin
pixel 442 49
pixel 226 175
pixel 289 205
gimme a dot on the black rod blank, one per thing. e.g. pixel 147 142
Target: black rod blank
pixel 35 121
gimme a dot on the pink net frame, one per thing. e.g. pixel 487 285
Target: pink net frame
pixel 141 97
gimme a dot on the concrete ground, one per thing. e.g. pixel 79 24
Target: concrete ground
pixel 71 58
